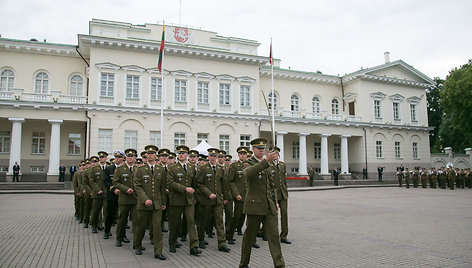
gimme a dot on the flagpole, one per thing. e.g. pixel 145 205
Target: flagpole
pixel 162 86
pixel 273 95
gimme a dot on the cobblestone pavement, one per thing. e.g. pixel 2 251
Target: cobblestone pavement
pixel 366 227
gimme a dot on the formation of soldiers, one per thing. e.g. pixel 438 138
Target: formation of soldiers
pixel 194 193
pixel 441 178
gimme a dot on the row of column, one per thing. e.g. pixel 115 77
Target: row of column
pixel 302 168
pixel 54 150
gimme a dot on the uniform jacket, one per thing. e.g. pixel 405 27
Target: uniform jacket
pixel 108 182
pixel 150 186
pixel 236 180
pixel 279 177
pixel 209 182
pixel 178 180
pixel 261 194
pixel 75 183
pixel 95 179
pixel 123 180
pixel 83 182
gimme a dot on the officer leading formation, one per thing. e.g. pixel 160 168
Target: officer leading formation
pixel 196 194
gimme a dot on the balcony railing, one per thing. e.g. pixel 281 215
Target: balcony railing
pixel 54 96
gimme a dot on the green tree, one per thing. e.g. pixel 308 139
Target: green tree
pixel 456 102
pixel 435 114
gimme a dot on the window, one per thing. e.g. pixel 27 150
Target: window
pixel 180 91
pixel 335 106
pixel 132 87
pixel 39 143
pixel 74 144
pixel 294 103
pixel 104 140
pixel 415 150
pixel 76 85
pixel 378 149
pixel 202 137
pixel 245 140
pixel 317 150
pixel 3 168
pixel 224 94
pixel 245 93
pixel 131 139
pixel 294 170
pixel 397 150
pixel 413 113
pixel 396 111
pixel 316 105
pixel 37 169
pixel 41 83
pixel 4 141
pixel 202 92
pixel 156 89
pixel 224 142
pixel 179 139
pixel 296 150
pixel 107 85
pixel 7 79
pixel 270 99
pixel 378 109
pixel 155 138
pixel 337 151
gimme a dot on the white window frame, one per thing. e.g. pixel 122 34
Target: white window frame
pixel 398 150
pixel 5 141
pixel 131 139
pixel 245 140
pixel 378 149
pixel 202 137
pixel 107 85
pixel 415 150
pixel 203 92
pixel 224 94
pixel 37 169
pixel 317 150
pixel 132 86
pixel 224 142
pixel 316 105
pixel 74 146
pixel 105 139
pixel 337 151
pixel 269 99
pixel 296 150
pixel 156 89
pixel 76 85
pixel 38 144
pixel 7 80
pixel 155 138
pixel 41 83
pixel 294 103
pixel 179 139
pixel 180 90
pixel 378 109
pixel 334 106
pixel 414 112
pixel 245 95
pixel 397 115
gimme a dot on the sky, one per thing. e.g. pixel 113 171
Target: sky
pixel 332 36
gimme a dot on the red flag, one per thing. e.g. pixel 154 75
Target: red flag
pixel 270 55
pixel 161 50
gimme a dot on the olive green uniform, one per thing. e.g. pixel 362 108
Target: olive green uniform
pixel 280 183
pixel 399 178
pixel 406 175
pixel 123 181
pixel 238 187
pixel 182 202
pixel 260 207
pixel 424 181
pixel 229 206
pixel 78 197
pixel 150 186
pixel 84 186
pixel 95 179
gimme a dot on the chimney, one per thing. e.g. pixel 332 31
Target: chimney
pixel 387 57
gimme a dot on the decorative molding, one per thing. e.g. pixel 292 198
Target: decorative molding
pixel 396 97
pixel 413 100
pixel 107 65
pixel 378 95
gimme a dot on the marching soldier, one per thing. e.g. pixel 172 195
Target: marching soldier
pixel 181 180
pixel 111 193
pixel 260 205
pixel 451 177
pixel 406 175
pixel 95 178
pixel 164 161
pixel 280 183
pixel 212 198
pixel 78 195
pixel 228 207
pixel 424 182
pixel 399 177
pixel 434 178
pixel 150 183
pixel 127 200
pixel 416 177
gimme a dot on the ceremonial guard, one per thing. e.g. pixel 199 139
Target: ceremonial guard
pixel 127 200
pixel 260 205
pixel 150 183
pixel 280 183
pixel 451 177
pixel 416 177
pixel 78 195
pixel 211 188
pixel 95 178
pixel 399 177
pixel 111 193
pixel 424 181
pixel 181 180
pixel 86 191
pixel 228 207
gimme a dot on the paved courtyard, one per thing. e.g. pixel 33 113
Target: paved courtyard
pixel 364 227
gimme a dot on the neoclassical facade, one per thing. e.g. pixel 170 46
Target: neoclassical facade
pixel 61 103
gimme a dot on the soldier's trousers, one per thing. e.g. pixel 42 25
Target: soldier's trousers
pixel 415 182
pixel 407 182
pixel 238 214
pixel 217 212
pixel 399 181
pixel 283 206
pixel 424 183
pixel 125 210
pixel 97 205
pixel 87 208
pixel 110 212
pixel 144 217
pixel 228 216
pixel 270 223
pixel 175 216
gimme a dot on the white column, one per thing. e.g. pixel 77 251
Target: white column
pixel 302 164
pixel 344 155
pixel 55 148
pixel 280 144
pixel 15 147
pixel 324 154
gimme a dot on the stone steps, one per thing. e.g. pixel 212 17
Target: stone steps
pixel 33 185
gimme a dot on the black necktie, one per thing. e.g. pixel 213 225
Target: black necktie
pixel 103 168
pixel 131 169
pixel 152 169
pixel 214 169
pixel 185 168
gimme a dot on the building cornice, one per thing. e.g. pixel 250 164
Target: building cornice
pixel 35 47
pixel 300 76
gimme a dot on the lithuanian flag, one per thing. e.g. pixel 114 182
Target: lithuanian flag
pixel 161 50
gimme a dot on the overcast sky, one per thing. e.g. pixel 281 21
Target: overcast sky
pixel 334 37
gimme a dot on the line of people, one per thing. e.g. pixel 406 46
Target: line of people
pixel 198 193
pixel 441 178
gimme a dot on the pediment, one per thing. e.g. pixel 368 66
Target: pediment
pixel 399 70
pixel 108 65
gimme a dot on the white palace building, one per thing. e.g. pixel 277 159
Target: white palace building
pixel 61 103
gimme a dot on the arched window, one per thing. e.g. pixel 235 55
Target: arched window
pixel 76 85
pixel 334 106
pixel 41 83
pixel 316 105
pixel 294 103
pixel 270 100
pixel 7 79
